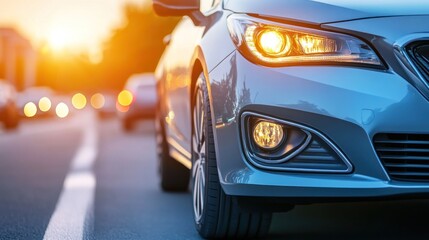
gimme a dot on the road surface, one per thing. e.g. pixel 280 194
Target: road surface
pixel 84 178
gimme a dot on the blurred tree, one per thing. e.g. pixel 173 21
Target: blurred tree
pixel 65 71
pixel 136 46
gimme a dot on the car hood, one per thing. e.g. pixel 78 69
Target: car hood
pixel 325 11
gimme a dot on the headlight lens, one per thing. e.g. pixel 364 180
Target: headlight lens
pixel 272 43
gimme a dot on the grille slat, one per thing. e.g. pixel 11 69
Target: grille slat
pixel 318 155
pixel 404 156
pixel 397 142
pixel 406 165
pixel 400 149
pixel 409 174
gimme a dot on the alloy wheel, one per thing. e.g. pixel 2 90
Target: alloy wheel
pixel 199 156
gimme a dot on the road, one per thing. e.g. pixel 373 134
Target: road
pixel 111 191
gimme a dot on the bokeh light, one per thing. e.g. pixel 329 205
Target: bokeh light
pixel 125 98
pixel 121 108
pixel 45 104
pixel 79 101
pixel 97 101
pixel 62 110
pixel 30 109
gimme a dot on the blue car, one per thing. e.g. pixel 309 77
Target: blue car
pixel 269 104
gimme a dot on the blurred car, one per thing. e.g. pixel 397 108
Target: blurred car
pixel 108 106
pixel 137 100
pixel 44 98
pixel 9 113
pixel 269 104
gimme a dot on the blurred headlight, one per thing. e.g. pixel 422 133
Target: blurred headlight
pixel 62 110
pixel 98 101
pixel 79 101
pixel 272 43
pixel 45 104
pixel 30 109
pixel 125 98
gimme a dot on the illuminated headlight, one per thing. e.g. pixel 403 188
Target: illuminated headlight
pixel 268 135
pixel 45 104
pixel 272 43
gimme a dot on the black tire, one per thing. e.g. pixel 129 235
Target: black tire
pixel 128 125
pixel 173 175
pixel 11 120
pixel 220 216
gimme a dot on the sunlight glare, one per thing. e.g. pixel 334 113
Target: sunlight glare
pixel 59 38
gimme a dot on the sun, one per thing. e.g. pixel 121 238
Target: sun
pixel 59 39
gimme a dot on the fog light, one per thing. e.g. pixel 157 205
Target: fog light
pixel 268 135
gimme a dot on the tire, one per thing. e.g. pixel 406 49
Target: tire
pixel 128 125
pixel 216 214
pixel 173 175
pixel 11 120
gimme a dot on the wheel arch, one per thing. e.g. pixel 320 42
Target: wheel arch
pixel 199 66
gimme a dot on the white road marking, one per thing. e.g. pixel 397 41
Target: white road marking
pixel 73 215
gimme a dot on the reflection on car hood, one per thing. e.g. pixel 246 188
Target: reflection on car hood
pixel 324 11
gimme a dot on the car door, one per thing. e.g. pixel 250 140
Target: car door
pixel 177 67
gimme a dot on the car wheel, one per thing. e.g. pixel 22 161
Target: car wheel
pixel 12 118
pixel 174 176
pixel 216 214
pixel 128 125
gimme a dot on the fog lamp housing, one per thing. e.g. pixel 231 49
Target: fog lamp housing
pixel 270 141
pixel 279 144
pixel 268 135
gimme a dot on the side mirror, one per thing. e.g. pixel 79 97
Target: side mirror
pixel 175 7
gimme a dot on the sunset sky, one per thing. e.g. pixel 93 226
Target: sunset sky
pixel 76 24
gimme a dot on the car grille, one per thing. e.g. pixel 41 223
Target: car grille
pixel 419 55
pixel 318 155
pixel 404 156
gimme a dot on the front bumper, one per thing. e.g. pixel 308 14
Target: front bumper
pixel 348 105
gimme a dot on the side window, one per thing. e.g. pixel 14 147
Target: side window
pixel 207 5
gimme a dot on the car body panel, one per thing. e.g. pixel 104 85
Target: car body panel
pixel 362 104
pixel 143 88
pixel 324 11
pixel 174 75
pixel 386 35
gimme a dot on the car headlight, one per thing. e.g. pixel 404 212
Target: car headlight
pixel 272 43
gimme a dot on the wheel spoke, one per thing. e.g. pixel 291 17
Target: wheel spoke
pixel 196 124
pixel 195 145
pixel 195 168
pixel 201 131
pixel 203 148
pixel 198 194
pixel 199 152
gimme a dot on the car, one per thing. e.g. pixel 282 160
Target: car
pixel 108 108
pixel 43 98
pixel 265 105
pixel 137 100
pixel 9 113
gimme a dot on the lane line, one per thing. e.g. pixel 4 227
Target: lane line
pixel 73 215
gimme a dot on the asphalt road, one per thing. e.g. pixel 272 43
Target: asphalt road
pixel 124 200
